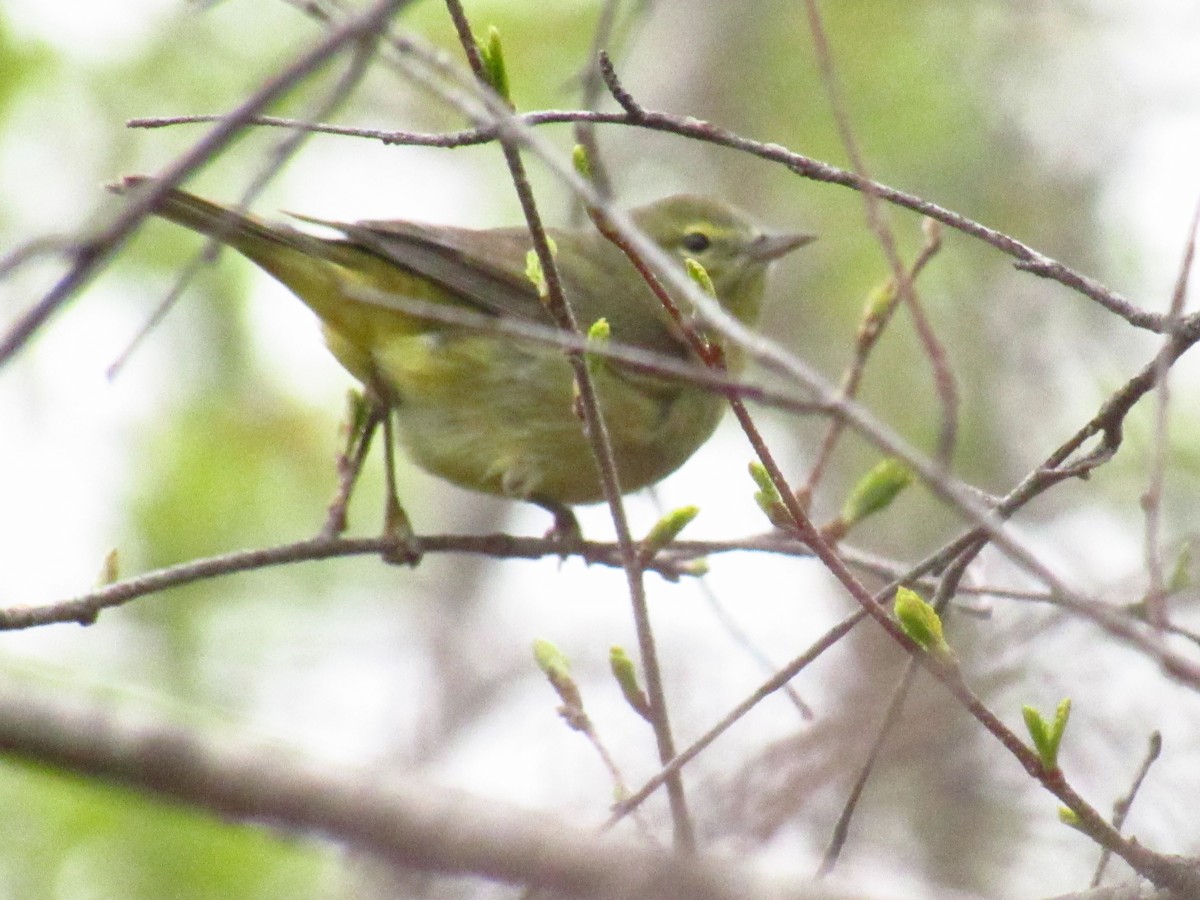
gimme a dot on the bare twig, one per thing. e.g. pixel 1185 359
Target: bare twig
pixel 870 329
pixel 85 608
pixel 670 563
pixel 633 109
pixel 773 684
pixel 1121 807
pixel 943 377
pixel 891 718
pixel 1026 257
pixel 89 255
pixel 597 432
pixel 44 246
pixel 1156 592
pixel 359 63
pixel 593 84
pixel 742 640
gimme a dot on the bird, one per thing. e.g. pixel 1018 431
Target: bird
pixel 489 411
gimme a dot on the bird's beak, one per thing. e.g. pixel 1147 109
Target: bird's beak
pixel 767 247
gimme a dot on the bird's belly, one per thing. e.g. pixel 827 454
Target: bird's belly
pixel 494 417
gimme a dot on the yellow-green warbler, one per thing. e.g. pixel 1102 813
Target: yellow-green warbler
pixel 493 412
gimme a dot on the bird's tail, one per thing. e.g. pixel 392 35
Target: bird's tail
pixel 258 240
pixel 299 260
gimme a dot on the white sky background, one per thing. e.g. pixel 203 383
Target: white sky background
pixel 55 397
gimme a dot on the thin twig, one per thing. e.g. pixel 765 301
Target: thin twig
pixel 670 563
pixel 773 684
pixel 1122 806
pixel 1156 592
pixel 743 641
pixel 633 109
pixel 871 328
pixel 593 85
pixel 943 376
pixel 597 433
pixel 636 358
pixel 25 253
pixel 891 718
pixel 85 608
pixel 1026 257
pixel 90 254
pixel 359 64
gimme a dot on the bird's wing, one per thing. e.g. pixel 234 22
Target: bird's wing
pixel 489 276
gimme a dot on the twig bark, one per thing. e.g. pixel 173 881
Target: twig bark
pixel 401 820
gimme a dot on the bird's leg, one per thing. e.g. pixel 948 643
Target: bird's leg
pixel 404 549
pixel 363 415
pixel 565 529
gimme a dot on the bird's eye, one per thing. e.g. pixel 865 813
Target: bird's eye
pixel 696 242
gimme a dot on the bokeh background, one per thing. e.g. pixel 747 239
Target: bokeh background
pixel 1073 126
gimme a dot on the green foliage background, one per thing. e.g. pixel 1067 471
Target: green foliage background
pixel 226 454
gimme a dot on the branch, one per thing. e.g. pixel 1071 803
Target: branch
pixel 943 377
pixel 400 820
pixel 1129 890
pixel 594 426
pixel 1027 258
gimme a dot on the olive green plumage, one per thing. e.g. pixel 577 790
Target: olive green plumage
pixel 489 411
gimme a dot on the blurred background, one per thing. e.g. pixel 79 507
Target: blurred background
pixel 1072 126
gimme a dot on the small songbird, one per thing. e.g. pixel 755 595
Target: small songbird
pixel 489 411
